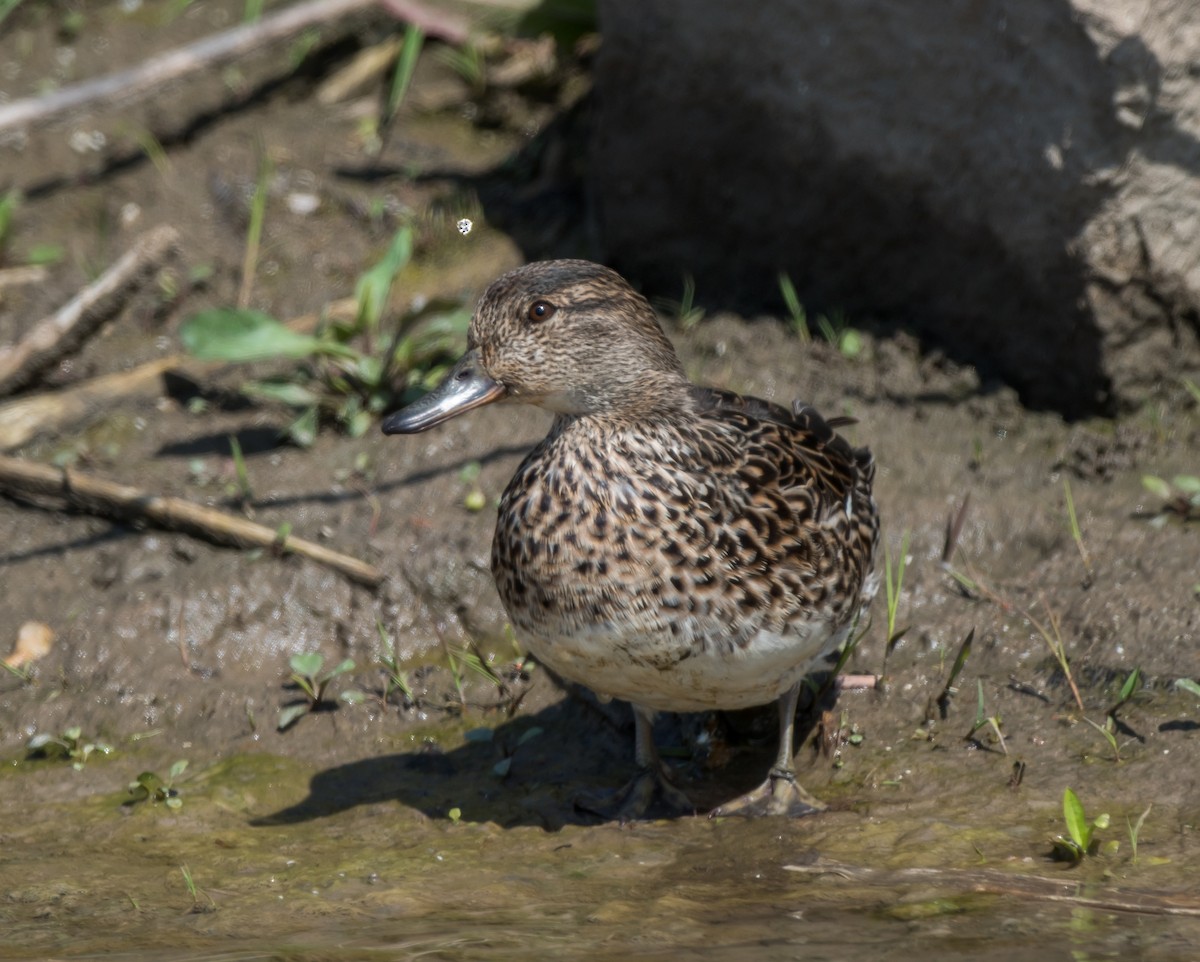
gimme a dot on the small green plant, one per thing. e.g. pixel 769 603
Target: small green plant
pixel 1080 839
pixel 245 493
pixel 1188 685
pixel 797 316
pixel 950 689
pixel 686 311
pixel 1135 830
pixel 148 786
pixel 469 62
pixel 343 371
pixel 893 583
pixel 982 718
pixel 474 499
pixel 1053 638
pixel 395 677
pixel 406 63
pixel 838 332
pixel 1109 728
pixel 258 212
pixel 307 676
pixel 70 746
pixel 1180 498
pixel 1076 533
pixel 194 891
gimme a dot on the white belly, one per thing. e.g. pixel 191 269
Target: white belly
pixel 692 676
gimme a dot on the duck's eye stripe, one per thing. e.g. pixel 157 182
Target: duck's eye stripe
pixel 541 310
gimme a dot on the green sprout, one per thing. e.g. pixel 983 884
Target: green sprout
pixel 1076 533
pixel 406 62
pixel 797 316
pixel 982 718
pixel 686 311
pixel 307 676
pixel 1080 839
pixel 150 787
pixel 70 745
pixel 1180 497
pixel 342 371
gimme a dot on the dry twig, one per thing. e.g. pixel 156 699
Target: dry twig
pixel 124 87
pixel 56 335
pixel 25 418
pixel 109 499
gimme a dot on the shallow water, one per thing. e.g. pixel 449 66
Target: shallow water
pixel 380 880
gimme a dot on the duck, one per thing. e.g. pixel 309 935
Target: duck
pixel 679 547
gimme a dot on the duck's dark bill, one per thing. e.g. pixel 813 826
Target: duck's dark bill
pixel 465 387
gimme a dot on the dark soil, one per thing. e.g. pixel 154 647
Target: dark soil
pixel 168 647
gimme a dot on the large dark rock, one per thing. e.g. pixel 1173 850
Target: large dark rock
pixel 1018 183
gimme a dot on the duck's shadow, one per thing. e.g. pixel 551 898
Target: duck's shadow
pixel 530 770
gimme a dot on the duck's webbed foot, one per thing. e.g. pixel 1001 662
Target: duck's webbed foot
pixel 649 790
pixel 780 794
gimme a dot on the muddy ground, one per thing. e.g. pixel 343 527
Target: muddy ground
pixel 167 647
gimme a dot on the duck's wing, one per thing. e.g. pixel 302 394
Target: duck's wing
pixel 791 449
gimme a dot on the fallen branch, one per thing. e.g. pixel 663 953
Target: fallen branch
pixel 23 419
pixel 124 87
pixel 19 276
pixel 109 499
pixel 56 335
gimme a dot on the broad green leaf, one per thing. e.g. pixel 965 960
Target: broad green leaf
pixel 1127 689
pixel 178 768
pixel 1156 486
pixel 1077 825
pixel 352 697
pixel 1186 684
pixel 341 669
pixel 285 392
pixel 225 334
pixel 308 665
pixel 303 431
pixel 1187 483
pixel 289 715
pixel 375 284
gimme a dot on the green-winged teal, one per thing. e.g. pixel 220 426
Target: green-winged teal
pixel 679 547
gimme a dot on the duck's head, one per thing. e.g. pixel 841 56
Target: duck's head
pixel 569 336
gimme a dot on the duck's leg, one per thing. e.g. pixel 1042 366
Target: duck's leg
pixel 780 794
pixel 652 781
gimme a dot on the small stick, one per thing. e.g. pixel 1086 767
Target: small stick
pixel 56 335
pixel 109 499
pixel 25 418
pixel 124 87
pixel 19 276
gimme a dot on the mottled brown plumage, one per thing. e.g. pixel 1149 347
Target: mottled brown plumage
pixel 679 547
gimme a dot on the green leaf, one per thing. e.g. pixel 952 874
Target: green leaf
pixel 303 431
pixel 375 284
pixel 308 665
pixel 341 669
pixel 352 697
pixel 1127 689
pixel 1187 483
pixel 45 254
pixel 1186 684
pixel 528 734
pixel 225 334
pixel 501 768
pixel 178 768
pixel 285 392
pixel 1077 826
pixel 1156 486
pixel 289 715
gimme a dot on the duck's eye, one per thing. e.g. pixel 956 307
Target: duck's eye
pixel 541 311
